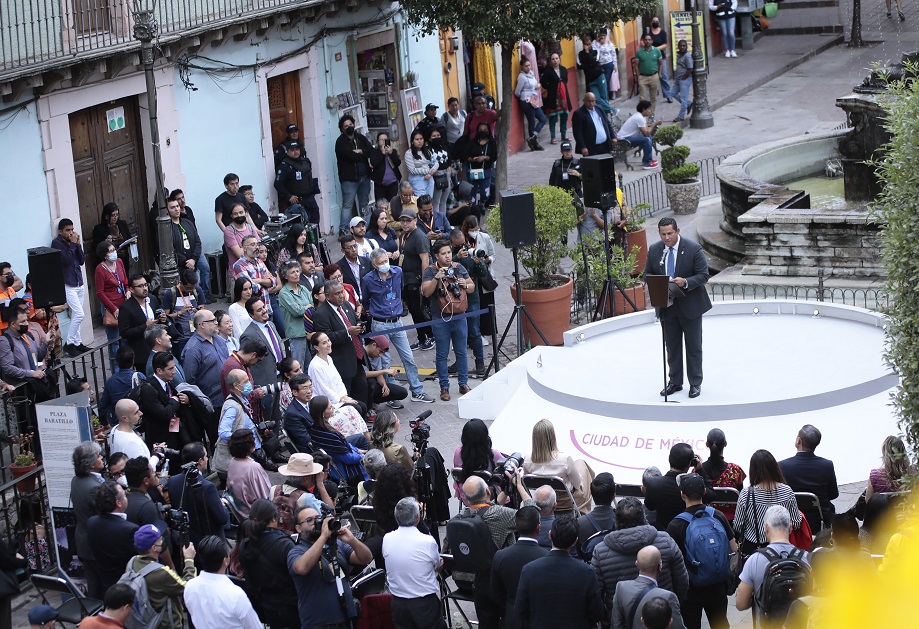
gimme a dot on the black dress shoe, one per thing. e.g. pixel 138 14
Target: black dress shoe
pixel 695 390
pixel 672 387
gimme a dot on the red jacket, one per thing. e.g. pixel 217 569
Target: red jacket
pixel 107 285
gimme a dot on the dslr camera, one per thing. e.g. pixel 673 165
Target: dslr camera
pixel 326 511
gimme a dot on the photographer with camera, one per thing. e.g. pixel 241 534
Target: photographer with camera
pixel 474 262
pixel 190 492
pixel 446 285
pixel 141 508
pixel 323 548
pixel 164 587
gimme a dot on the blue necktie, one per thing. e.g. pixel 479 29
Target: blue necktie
pixel 671 261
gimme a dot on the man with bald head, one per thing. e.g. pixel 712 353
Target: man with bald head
pixel 500 521
pixel 545 501
pixel 124 439
pixel 203 357
pixel 631 596
pixel 593 134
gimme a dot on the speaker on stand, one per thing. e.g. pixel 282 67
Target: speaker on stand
pixel 47 274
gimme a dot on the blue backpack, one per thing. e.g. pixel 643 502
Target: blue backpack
pixel 708 550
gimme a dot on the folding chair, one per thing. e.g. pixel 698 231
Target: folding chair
pixel 809 503
pixel 533 482
pixel 72 610
pixel 629 491
pixel 457 595
pixel 727 495
pixel 370 581
pixel 364 519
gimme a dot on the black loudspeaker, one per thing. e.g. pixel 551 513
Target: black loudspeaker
pixel 599 176
pixel 518 218
pixel 46 270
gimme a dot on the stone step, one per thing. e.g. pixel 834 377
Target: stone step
pixel 805 21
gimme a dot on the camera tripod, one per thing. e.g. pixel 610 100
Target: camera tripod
pixel 609 284
pixel 520 310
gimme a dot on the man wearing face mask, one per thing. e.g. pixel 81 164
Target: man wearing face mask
pixel 381 291
pixel 352 150
pixel 21 352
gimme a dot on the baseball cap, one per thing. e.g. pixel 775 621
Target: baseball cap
pixel 357 220
pixel 408 213
pixel 293 144
pixel 381 341
pixel 431 106
pixel 566 145
pixel 146 536
pixel 292 127
pixel 40 614
pixel 692 485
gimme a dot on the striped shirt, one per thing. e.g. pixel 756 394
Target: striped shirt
pixel 751 511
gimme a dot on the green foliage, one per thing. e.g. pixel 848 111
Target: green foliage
pixel 669 135
pixel 682 174
pixel 897 208
pixel 674 168
pixel 555 217
pixel 674 157
pixel 621 266
pixel 635 221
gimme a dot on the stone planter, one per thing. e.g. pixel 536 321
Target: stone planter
pixel 551 311
pixel 684 197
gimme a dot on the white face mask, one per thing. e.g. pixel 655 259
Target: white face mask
pixel 123 481
pixel 111 257
pixel 473 232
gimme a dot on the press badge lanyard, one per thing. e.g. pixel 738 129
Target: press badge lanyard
pixel 122 290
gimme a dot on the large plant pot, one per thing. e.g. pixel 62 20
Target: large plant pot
pixel 636 294
pixel 639 239
pixel 550 309
pixel 21 470
pixel 684 197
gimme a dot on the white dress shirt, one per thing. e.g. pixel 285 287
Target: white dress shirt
pixel 326 379
pixel 411 562
pixel 598 124
pixel 214 602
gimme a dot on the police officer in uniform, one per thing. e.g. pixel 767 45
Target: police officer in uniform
pixel 293 135
pixel 566 172
pixel 294 183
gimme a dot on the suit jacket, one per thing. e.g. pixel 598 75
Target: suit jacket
pixel 348 276
pixel 82 497
pixel 806 471
pixel 112 540
pixel 691 265
pixel 326 319
pixel 264 371
pixel 505 575
pixel 627 593
pixel 158 408
pixel 558 577
pixel 585 133
pixel 308 282
pixel 297 422
pixel 663 497
pixel 132 323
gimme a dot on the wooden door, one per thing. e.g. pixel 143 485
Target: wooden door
pixel 284 105
pixel 109 167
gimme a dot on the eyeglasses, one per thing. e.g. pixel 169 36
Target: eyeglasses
pixel 210 321
pixel 139 286
pixel 308 521
pixel 351 247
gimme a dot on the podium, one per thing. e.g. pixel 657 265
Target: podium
pixel 663 292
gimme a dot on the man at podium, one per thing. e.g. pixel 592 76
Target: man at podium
pixel 684 262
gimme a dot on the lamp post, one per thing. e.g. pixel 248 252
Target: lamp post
pixel 701 115
pixel 145 30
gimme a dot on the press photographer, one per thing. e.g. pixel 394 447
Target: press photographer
pixel 315 564
pixel 189 491
pixel 141 509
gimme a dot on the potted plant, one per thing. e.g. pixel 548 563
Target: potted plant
pixel 24 462
pixel 620 270
pixel 684 188
pixel 635 235
pixel 547 291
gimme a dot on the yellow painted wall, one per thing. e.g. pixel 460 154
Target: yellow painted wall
pixel 451 80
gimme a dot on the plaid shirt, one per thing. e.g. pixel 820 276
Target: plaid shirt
pixel 501 523
pixel 254 270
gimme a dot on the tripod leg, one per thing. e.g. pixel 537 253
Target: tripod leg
pixel 533 323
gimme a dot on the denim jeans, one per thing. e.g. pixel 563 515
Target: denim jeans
pixel 644 141
pixel 480 186
pixel 113 334
pixel 665 79
pixel 727 32
pixel 601 90
pixel 204 274
pixel 536 118
pixel 456 331
pixel 474 329
pixel 441 196
pixel 399 340
pixel 351 192
pixel 420 185
pixel 681 93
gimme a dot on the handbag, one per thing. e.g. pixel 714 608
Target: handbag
pixel 488 283
pixel 476 173
pixel 441 181
pixel 109 320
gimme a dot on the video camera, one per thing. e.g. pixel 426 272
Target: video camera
pixel 421 431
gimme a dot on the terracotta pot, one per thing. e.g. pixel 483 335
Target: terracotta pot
pixel 636 294
pixel 550 309
pixel 21 470
pixel 640 239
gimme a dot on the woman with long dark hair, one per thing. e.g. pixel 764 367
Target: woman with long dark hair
pixel 556 102
pixel 262 552
pixel 393 484
pixel 378 228
pixel 114 229
pixel 295 243
pixel 473 454
pixel 767 488
pixel 420 164
pixel 722 473
pixel 384 168
pixel 242 292
pixel 346 458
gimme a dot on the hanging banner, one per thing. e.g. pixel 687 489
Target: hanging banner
pixel 681 28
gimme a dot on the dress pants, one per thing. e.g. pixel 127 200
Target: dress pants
pixel 676 328
pixel 417 613
pixel 487 609
pixel 75 296
pixel 713 600
pixel 647 89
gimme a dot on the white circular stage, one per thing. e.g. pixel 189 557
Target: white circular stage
pixel 769 368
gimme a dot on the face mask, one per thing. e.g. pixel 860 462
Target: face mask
pixel 384 268
pixel 239 220
pixel 123 481
pixel 655 24
pixel 111 257
pixel 23 329
pixel 349 131
pixel 473 232
pixel 247 389
pixel 482 135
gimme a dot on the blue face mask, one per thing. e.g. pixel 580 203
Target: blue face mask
pixel 247 389
pixel 111 256
pixel 384 268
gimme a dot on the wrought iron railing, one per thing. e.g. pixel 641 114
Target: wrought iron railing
pixel 871 298
pixel 33 32
pixel 652 190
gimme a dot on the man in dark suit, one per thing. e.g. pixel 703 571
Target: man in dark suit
pixel 110 535
pixel 559 590
pixel 351 263
pixel 310 276
pixel 297 419
pixel 265 371
pixel 662 495
pixel 806 471
pixel 684 261
pixel 134 317
pixel 160 402
pixel 593 134
pixel 508 563
pixel 331 318
pixel 87 467
pixel 632 596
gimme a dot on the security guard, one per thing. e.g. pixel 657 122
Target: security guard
pixel 294 183
pixel 293 135
pixel 566 172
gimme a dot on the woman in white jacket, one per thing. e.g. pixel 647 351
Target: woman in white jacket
pixel 420 164
pixel 528 91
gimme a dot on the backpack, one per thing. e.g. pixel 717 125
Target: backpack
pixel 287 508
pixel 787 578
pixel 470 539
pixel 586 550
pixel 708 550
pixel 143 616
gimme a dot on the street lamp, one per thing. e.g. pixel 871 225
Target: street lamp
pixel 701 115
pixel 145 30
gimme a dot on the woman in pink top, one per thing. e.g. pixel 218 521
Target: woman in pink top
pixel 474 454
pixel 245 478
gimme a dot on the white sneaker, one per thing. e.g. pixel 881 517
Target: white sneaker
pixel 728 54
pixel 485 342
pixel 734 53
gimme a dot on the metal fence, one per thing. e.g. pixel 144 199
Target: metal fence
pixel 871 298
pixel 653 191
pixel 38 31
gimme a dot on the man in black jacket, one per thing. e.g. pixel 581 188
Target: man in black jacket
pixel 137 314
pixel 185 240
pixel 160 403
pixel 807 472
pixel 661 492
pixel 294 183
pixel 352 150
pixel 110 535
pixel 207 515
pixel 593 134
pixel 508 563
pixel 87 467
pixel 328 318
pixel 353 267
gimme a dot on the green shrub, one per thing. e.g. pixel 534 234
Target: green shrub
pixel 674 168
pixel 674 157
pixel 669 135
pixel 682 174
